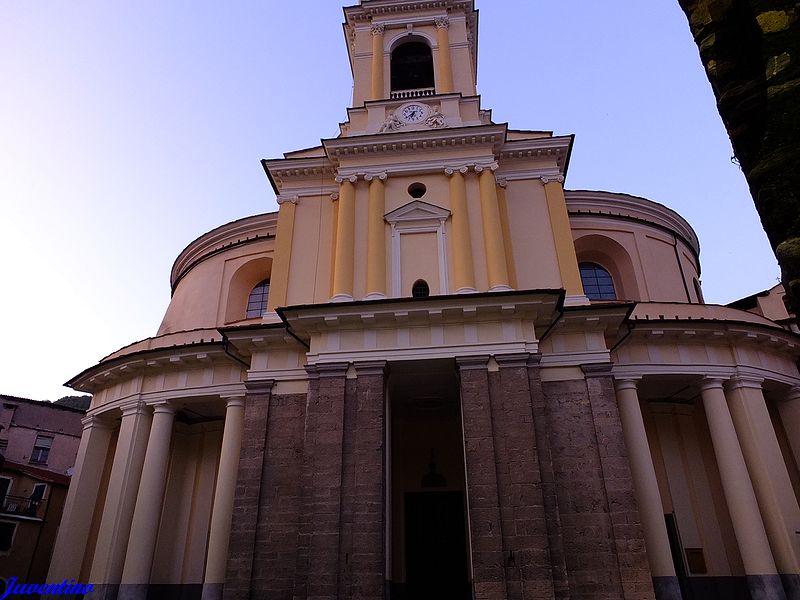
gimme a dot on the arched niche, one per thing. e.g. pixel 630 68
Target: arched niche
pixel 411 64
pixel 242 283
pixel 614 258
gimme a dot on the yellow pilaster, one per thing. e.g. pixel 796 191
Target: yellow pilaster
pixel 344 256
pixel 562 234
pixel 492 231
pixel 444 80
pixel 376 244
pixel 504 221
pixel 377 63
pixel 279 279
pixel 463 272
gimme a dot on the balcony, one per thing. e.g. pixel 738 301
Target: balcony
pixel 20 506
pixel 417 93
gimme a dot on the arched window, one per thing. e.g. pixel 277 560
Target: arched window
pixel 420 289
pixel 412 67
pixel 257 302
pixel 597 282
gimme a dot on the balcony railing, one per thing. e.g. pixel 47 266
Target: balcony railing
pixel 21 506
pixel 417 93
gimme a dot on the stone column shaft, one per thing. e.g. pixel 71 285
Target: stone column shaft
pixel 220 528
pixel 76 519
pixel 493 232
pixel 747 524
pixel 771 482
pixel 648 496
pixel 279 278
pixel 345 249
pixel 376 242
pixel 463 272
pixel 445 72
pixel 150 499
pixel 562 235
pixel 789 410
pixel 377 91
pixel 123 485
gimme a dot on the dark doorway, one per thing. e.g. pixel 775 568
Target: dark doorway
pixel 412 67
pixel 436 546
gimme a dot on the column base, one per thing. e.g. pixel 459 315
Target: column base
pixel 342 298
pixel 270 317
pixel 212 591
pixel 501 288
pixel 466 290
pixel 791 585
pixel 765 587
pixel 667 588
pixel 375 296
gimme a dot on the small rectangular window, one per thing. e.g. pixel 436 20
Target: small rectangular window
pixel 6 535
pixel 41 449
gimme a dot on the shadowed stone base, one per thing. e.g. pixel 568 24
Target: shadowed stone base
pixel 765 587
pixel 667 588
pixel 212 591
pixel 791 585
pixel 147 592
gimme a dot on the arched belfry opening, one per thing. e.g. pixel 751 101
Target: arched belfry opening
pixel 412 66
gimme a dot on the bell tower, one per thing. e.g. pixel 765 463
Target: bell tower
pixel 410 51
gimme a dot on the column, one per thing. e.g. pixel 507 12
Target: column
pixel 149 503
pixel 492 230
pixel 483 501
pixel 220 528
pixel 748 527
pixel 463 272
pixel 562 235
pixel 444 79
pixel 648 496
pixel 279 278
pixel 506 225
pixel 789 410
pixel 344 255
pixel 76 519
pixel 123 485
pixel 377 62
pixel 771 482
pixel 376 239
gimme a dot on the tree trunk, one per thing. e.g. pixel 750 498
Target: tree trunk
pixel 751 53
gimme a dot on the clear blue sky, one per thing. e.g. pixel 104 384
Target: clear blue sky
pixel 127 129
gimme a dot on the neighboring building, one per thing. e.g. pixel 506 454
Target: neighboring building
pixel 771 303
pixel 38 443
pixel 435 373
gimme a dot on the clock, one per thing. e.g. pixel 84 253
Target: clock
pixel 413 113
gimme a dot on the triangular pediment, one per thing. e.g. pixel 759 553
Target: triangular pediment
pixel 417 211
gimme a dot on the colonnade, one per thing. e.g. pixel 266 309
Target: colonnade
pixel 755 481
pixel 132 511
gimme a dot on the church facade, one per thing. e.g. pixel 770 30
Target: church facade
pixel 436 373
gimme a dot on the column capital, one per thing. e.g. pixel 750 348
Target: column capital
pixel 259 387
pixel 381 176
pixel 442 22
pixel 793 394
pixel 450 171
pixel 370 367
pixel 745 381
pixel 552 179
pixel 712 383
pixel 534 360
pixel 472 363
pixel 502 182
pixel 96 422
pixel 597 370
pixel 493 166
pixel 377 29
pixel 164 407
pixel 328 370
pixel 234 400
pixel 626 383
pixel 290 198
pixel 334 197
pixel 136 407
pixel 346 178
pixel 519 359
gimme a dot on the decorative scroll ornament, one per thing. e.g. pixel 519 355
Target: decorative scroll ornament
pixel 551 178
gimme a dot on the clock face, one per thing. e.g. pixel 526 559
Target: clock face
pixel 413 113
